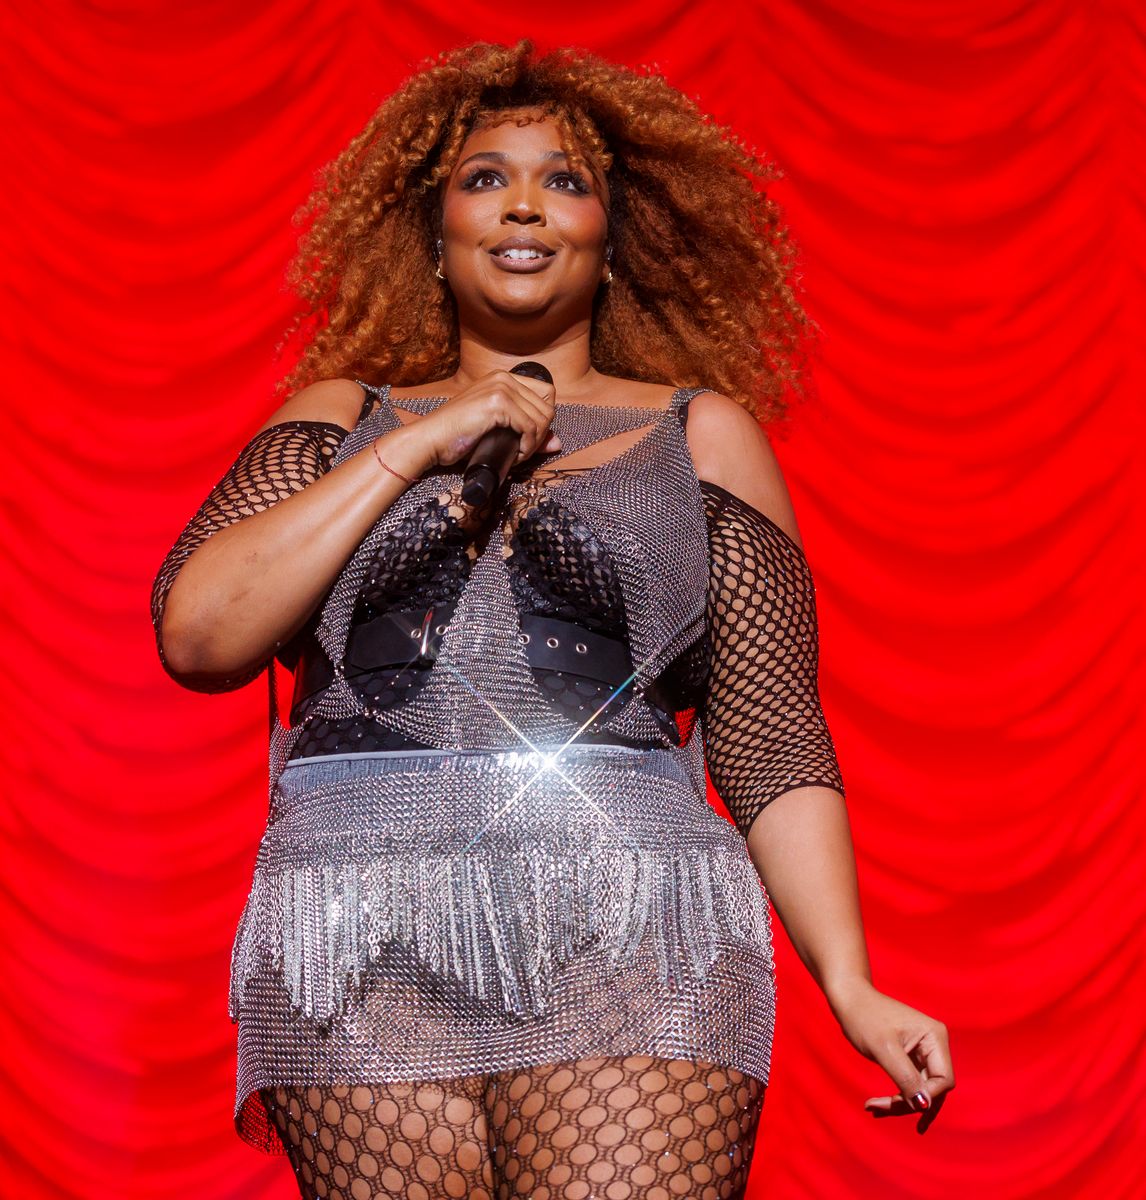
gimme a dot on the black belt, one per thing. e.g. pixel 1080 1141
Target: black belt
pixel 413 637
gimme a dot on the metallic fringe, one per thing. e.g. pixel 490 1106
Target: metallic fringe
pixel 498 926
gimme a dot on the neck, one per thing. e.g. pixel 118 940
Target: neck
pixel 567 357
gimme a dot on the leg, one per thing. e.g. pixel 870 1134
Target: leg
pixel 635 1128
pixel 406 1141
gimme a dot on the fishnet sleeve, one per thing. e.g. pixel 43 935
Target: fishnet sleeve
pixel 274 464
pixel 764 727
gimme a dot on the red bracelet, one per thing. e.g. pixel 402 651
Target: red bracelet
pixel 404 478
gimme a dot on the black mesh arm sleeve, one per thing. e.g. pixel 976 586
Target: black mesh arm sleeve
pixel 274 464
pixel 764 728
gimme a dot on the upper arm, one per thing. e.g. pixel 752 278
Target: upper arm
pixel 292 449
pixel 730 448
pixel 337 401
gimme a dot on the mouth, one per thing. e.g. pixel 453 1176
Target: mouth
pixel 521 254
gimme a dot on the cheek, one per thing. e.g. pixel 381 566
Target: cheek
pixel 461 215
pixel 584 226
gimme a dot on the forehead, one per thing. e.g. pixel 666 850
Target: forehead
pixel 519 132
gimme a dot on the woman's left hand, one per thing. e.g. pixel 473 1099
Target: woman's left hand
pixel 909 1045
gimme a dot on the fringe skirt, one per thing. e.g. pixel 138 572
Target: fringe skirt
pixel 422 915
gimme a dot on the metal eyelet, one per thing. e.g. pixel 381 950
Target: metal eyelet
pixel 415 634
pixel 523 638
pixel 552 643
pixel 581 648
pixel 439 629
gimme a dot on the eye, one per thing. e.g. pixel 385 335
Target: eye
pixel 473 180
pixel 575 181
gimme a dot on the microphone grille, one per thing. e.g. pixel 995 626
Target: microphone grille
pixel 533 370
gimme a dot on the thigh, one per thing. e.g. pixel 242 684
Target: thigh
pixel 634 1128
pixel 410 1141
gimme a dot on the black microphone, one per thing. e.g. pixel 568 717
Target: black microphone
pixel 496 451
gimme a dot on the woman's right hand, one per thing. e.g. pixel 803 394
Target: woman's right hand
pixel 498 400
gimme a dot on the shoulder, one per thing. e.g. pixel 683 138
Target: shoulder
pixel 336 401
pixel 730 449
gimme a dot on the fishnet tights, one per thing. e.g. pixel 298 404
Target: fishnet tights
pixel 635 1128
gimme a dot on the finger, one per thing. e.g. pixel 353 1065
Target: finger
pixel 531 394
pixel 932 1054
pixel 511 409
pixel 888 1106
pixel 535 432
pixel 536 387
pixel 928 1118
pixel 896 1061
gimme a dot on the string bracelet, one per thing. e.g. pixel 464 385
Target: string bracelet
pixel 404 478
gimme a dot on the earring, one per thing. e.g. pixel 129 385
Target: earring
pixel 439 250
pixel 608 278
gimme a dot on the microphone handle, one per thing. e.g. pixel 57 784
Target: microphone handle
pixel 496 451
pixel 489 463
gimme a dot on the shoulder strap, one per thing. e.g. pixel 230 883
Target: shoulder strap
pixel 373 394
pixel 680 401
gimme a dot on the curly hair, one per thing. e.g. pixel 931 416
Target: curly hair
pixel 703 268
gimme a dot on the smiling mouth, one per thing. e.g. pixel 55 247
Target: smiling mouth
pixel 518 254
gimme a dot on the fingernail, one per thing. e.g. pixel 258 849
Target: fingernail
pixel 921 1101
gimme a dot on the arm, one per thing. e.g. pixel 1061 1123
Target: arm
pixel 266 546
pixel 257 558
pixel 771 756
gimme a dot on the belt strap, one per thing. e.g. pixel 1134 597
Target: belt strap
pixel 413 637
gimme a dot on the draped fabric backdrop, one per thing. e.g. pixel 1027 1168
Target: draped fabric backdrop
pixel 965 179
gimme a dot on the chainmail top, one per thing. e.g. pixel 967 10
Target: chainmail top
pixel 462 873
pixel 751 668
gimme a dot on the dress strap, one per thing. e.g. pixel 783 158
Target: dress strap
pixel 680 401
pixel 374 394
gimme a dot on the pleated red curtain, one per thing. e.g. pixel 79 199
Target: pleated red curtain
pixel 965 180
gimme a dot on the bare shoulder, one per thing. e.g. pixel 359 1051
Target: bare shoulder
pixel 730 449
pixel 338 401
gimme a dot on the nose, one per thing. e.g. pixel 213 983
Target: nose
pixel 523 207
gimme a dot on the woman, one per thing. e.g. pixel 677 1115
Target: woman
pixel 497 942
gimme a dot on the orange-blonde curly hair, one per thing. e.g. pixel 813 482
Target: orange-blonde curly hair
pixel 702 290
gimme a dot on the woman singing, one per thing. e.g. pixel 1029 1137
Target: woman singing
pixel 497 942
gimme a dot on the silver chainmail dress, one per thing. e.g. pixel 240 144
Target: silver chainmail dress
pixel 472 864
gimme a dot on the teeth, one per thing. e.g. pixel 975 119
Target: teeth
pixel 520 254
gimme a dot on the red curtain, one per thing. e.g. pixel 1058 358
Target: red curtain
pixel 965 179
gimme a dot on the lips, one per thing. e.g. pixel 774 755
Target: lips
pixel 521 250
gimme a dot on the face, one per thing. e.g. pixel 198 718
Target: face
pixel 524 233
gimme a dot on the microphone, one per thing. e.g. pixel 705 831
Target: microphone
pixel 496 451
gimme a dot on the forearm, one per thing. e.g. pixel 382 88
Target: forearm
pixel 801 845
pixel 251 585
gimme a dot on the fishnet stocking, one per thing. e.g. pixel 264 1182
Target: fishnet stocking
pixel 635 1128
pixel 765 731
pixel 408 1140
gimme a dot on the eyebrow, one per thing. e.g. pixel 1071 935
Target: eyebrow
pixel 499 156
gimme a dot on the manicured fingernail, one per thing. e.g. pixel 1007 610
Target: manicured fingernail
pixel 921 1101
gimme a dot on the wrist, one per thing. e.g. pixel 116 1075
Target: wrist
pixel 404 452
pixel 842 990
